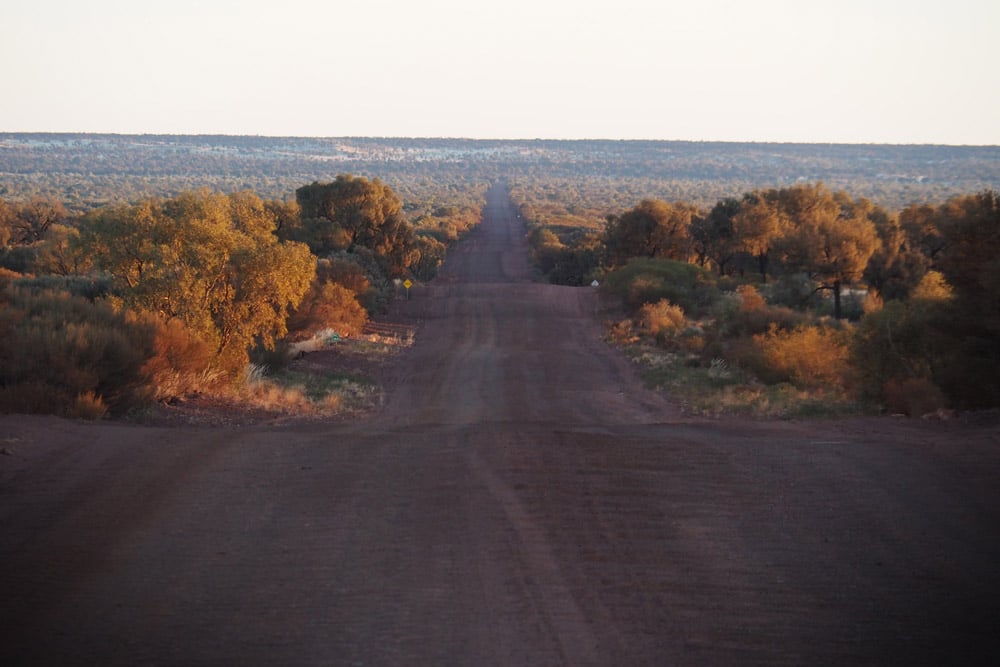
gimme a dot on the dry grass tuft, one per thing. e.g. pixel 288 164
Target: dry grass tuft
pixel 88 406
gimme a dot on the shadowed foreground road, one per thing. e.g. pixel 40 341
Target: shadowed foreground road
pixel 520 500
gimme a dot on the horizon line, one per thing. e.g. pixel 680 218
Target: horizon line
pixel 496 139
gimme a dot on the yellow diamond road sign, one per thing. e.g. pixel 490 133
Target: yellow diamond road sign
pixel 407 284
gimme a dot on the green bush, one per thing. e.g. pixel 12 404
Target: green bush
pixel 794 290
pixel 966 361
pixel 746 313
pixel 906 347
pixel 573 266
pixel 892 345
pixel 645 280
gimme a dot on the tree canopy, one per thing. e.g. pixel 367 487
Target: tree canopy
pixel 653 228
pixel 365 213
pixel 210 260
pixel 830 237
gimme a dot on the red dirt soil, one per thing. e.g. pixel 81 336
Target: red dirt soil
pixel 520 499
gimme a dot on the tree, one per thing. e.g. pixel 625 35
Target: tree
pixel 830 238
pixel 32 219
pixel 209 260
pixel 896 268
pixel 945 334
pixel 970 262
pixel 431 258
pixel 970 255
pixel 575 265
pixel 712 235
pixel 757 224
pixel 126 241
pixel 367 212
pixel 654 228
pixel 921 225
pixel 59 253
pixel 6 223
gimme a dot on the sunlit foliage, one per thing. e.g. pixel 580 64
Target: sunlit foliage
pixel 209 260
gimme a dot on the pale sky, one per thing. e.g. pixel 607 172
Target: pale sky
pixel 856 71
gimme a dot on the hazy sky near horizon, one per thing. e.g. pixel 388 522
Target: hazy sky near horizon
pixel 857 71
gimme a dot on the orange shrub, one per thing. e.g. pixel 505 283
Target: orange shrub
pixel 753 315
pixel 662 318
pixel 810 356
pixel 932 287
pixel 750 298
pixel 327 305
pixel 181 362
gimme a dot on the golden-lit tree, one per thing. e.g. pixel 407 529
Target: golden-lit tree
pixel 654 228
pixel 6 223
pixel 366 213
pixel 60 254
pixel 757 225
pixel 829 237
pixel 896 267
pixel 209 260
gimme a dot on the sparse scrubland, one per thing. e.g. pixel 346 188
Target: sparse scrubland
pixel 795 301
pixel 207 294
pixel 788 300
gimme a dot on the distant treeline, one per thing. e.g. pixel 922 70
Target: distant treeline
pixel 86 170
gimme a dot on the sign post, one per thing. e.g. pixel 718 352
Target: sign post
pixel 407 284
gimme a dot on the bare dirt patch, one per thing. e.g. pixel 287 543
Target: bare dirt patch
pixel 339 381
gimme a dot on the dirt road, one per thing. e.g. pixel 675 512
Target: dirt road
pixel 520 500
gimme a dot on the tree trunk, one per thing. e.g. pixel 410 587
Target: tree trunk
pixel 762 265
pixel 836 299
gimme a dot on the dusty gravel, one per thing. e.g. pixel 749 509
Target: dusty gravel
pixel 520 500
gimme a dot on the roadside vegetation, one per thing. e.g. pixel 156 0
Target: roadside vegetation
pixel 121 284
pixel 793 301
pixel 207 294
